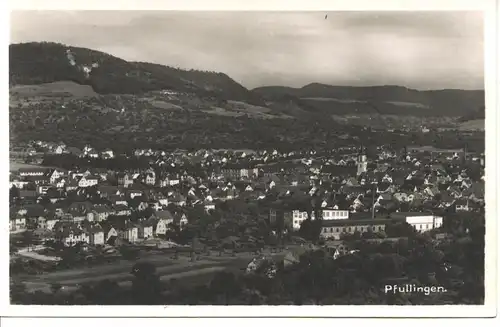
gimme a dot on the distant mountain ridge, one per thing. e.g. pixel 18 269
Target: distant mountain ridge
pixel 38 63
pixel 388 99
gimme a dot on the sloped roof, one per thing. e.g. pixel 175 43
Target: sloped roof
pixel 115 198
pixel 73 150
pixel 34 170
pixel 101 209
pixel 80 207
pixel 27 193
pixel 446 197
pixel 164 215
pixel 64 229
pixel 106 226
pixel 385 196
pixel 397 215
pixel 108 189
pixel 357 222
pixel 34 210
pixel 120 207
pixel 36 178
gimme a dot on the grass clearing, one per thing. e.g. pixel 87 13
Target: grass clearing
pixel 52 90
pixel 472 125
pixel 14 166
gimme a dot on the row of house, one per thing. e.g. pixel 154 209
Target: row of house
pixel 346 184
pixel 71 232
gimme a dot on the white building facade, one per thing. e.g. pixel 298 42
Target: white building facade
pixel 328 214
pixel 425 223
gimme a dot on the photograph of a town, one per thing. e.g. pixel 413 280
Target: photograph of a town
pixel 246 158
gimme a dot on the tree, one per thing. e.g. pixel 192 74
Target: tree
pixel 55 287
pixel 44 201
pixel 30 187
pixel 368 235
pixel 129 253
pixel 14 193
pixel 146 286
pixel 224 285
pixel 310 229
pixel 107 292
pixel 28 238
pixel 17 292
pixel 399 229
pixel 134 202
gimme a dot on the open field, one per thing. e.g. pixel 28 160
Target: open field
pixel 248 108
pixel 472 125
pixel 52 90
pixel 239 108
pixel 165 105
pixel 334 100
pixel 13 166
pixel 222 112
pixel 166 268
pixel 192 278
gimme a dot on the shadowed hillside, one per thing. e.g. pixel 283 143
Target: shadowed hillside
pixel 379 99
pixel 474 115
pixel 36 63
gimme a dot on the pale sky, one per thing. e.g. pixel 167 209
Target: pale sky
pixel 422 50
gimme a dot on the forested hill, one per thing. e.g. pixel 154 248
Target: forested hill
pixel 389 99
pixel 474 115
pixel 37 63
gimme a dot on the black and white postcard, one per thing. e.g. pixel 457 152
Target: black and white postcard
pixel 308 161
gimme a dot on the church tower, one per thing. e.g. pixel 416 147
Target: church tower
pixel 361 161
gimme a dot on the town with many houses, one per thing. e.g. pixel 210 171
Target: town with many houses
pixel 356 193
